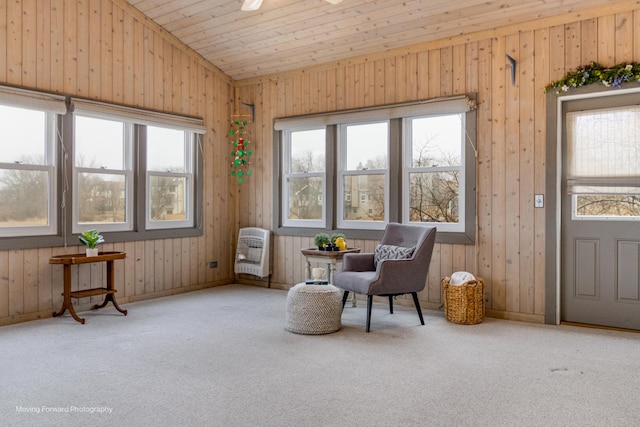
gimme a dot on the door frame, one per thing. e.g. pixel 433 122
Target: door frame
pixel 553 177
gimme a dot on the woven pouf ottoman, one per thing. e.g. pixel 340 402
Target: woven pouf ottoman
pixel 313 309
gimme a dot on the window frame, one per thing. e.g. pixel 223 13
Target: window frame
pixel 343 171
pixel 127 171
pixel 408 169
pixel 395 113
pixel 288 174
pixel 190 143
pixel 54 107
pixel 63 169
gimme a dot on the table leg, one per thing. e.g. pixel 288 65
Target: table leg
pixel 308 276
pixel 66 295
pixel 110 287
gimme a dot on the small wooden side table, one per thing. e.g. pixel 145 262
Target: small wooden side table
pixel 67 261
pixel 330 258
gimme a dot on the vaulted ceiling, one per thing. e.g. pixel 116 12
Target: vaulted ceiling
pixel 290 34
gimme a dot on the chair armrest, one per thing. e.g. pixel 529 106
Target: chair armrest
pixel 358 262
pixel 396 274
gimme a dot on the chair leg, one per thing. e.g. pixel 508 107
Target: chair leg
pixel 344 298
pixel 391 304
pixel 369 304
pixel 417 303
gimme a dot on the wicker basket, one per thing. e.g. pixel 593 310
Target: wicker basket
pixel 464 303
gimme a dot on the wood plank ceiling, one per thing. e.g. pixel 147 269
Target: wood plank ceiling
pixel 291 34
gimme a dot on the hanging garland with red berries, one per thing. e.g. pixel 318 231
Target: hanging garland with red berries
pixel 240 134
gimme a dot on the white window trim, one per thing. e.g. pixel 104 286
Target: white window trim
pixel 465 104
pixel 408 170
pixel 127 172
pixel 189 146
pixel 287 175
pixel 49 167
pixel 343 172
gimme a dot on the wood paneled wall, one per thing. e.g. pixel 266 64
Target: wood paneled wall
pixel 106 50
pixel 510 249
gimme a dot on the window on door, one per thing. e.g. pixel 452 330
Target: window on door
pixel 603 163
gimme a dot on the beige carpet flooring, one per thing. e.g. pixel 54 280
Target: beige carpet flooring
pixel 221 357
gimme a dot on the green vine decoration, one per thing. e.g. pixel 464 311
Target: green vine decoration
pixel 240 139
pixel 596 73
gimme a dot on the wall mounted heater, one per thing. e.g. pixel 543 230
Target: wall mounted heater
pixel 252 254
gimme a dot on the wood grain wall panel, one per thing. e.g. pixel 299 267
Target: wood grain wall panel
pixel 573 54
pixel 446 71
pixel 588 41
pixel 636 46
pixel 607 40
pixel 45 282
pixel 540 77
pixel 70 47
pixel 14 43
pixel 511 148
pixel 106 50
pixel 4 34
pixel 624 33
pixel 498 172
pixel 512 176
pixel 526 186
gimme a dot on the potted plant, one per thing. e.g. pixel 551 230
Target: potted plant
pixel 321 240
pixel 91 239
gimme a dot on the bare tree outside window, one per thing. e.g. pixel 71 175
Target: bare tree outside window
pixel 434 176
pixel 168 198
pixel 305 177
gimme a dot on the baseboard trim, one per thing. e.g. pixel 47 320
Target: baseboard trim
pixel 20 318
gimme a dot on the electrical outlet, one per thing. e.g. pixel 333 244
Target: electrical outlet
pixel 538 201
pixel 213 264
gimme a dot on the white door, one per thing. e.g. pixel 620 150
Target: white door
pixel 600 282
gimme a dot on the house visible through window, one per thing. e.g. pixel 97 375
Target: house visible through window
pixel 170 177
pixel 411 163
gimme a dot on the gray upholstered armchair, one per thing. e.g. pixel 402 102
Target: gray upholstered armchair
pixel 399 266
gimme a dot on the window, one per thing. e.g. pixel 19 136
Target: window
pixel 135 171
pixel 433 170
pixel 169 177
pixel 130 173
pixel 103 174
pixel 27 162
pixel 412 163
pixel 304 178
pixel 363 170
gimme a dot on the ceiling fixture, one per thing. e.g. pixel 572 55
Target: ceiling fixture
pixel 255 4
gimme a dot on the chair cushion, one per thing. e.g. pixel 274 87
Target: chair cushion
pixel 384 252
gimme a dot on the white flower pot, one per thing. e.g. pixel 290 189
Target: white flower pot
pixel 92 252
